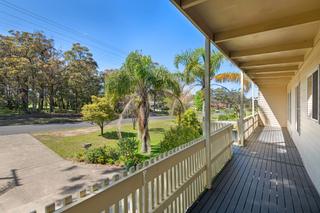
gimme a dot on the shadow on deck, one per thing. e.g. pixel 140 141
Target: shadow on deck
pixel 265 176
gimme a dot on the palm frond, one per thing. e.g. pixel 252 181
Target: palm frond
pixel 232 77
pixel 125 110
pixel 227 77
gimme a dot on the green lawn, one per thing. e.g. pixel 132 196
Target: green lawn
pixel 68 146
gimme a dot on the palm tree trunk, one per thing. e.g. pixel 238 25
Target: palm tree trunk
pixel 143 121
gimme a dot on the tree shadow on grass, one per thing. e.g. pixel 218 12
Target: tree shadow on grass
pixel 159 130
pixel 155 150
pixel 114 135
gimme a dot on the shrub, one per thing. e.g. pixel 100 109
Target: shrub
pixel 102 155
pixel 198 100
pixel 80 156
pixel 99 111
pixel 129 151
pixel 189 119
pixel 177 136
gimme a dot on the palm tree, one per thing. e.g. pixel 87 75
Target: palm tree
pixel 138 77
pixel 181 99
pixel 194 68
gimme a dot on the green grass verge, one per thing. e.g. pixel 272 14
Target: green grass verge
pixel 7 112
pixel 68 146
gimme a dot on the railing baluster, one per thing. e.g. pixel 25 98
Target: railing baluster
pixel 140 199
pixel 167 182
pixel 181 182
pixel 173 185
pixel 116 207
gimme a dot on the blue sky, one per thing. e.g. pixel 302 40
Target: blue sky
pixel 110 28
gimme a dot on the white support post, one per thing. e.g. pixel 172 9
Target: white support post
pixel 207 110
pixel 252 98
pixel 241 133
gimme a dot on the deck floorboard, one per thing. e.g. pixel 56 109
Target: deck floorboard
pixel 267 175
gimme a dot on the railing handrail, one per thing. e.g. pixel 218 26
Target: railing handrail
pixel 250 123
pixel 146 172
pixel 250 116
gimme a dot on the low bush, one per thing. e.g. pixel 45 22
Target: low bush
pixel 227 117
pixel 80 156
pixel 177 136
pixel 129 151
pixel 102 155
pixel 189 119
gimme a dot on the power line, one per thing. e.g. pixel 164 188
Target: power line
pixel 65 38
pixel 68 40
pixel 59 26
pixel 54 23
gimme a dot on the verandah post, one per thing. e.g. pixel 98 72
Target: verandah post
pixel 207 114
pixel 241 129
pixel 252 98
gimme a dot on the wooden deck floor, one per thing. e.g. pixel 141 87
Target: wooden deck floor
pixel 265 176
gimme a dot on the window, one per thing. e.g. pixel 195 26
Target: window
pixel 289 106
pixel 298 108
pixel 313 96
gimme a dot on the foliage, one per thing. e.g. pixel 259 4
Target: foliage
pixel 193 62
pixel 198 100
pixel 228 117
pixel 189 129
pixel 194 66
pixel 82 70
pixel 138 77
pixel 232 77
pixel 102 155
pixel 129 151
pixel 181 99
pixel 98 112
pixel 34 73
pixel 177 136
pixel 230 98
pixel 189 119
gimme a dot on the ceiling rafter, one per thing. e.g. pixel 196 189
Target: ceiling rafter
pixel 272 49
pixel 274 81
pixel 277 61
pixel 283 69
pixel 303 18
pixel 274 75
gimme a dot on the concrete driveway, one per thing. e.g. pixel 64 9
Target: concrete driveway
pixel 32 176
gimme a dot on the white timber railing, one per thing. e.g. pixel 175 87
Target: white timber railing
pixel 170 182
pixel 250 123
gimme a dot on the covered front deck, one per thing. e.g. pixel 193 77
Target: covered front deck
pixel 265 176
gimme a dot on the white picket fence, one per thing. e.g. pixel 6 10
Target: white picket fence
pixel 168 183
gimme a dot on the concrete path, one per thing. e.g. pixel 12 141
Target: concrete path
pixel 32 176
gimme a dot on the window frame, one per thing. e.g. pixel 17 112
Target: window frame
pixel 298 108
pixel 290 107
pixel 318 98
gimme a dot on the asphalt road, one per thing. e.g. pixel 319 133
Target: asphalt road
pixel 20 129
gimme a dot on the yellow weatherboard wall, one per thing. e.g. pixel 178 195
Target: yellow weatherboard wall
pixel 272 104
pixel 308 142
